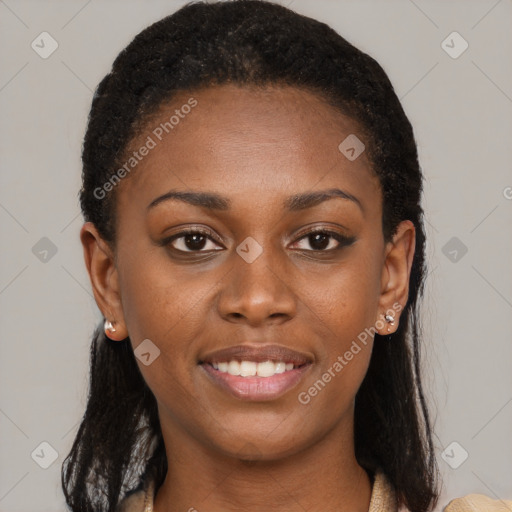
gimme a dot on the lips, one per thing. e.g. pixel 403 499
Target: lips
pixel 259 354
pixel 271 381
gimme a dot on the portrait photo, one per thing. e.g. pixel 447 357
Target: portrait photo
pixel 256 256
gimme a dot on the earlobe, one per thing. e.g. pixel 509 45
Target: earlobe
pixel 100 264
pixel 396 276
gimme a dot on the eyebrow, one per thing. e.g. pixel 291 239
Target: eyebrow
pixel 213 201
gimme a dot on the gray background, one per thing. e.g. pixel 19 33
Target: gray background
pixel 461 110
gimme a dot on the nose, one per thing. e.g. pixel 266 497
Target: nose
pixel 257 293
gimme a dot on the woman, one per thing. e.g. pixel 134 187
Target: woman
pixel 254 240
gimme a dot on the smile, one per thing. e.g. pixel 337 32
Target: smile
pixel 253 368
pixel 255 372
pixel 251 381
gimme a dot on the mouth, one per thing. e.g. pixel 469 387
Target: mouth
pixel 256 373
pixel 264 370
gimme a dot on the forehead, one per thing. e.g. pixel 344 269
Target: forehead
pixel 251 144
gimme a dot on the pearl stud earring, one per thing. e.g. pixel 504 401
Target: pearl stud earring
pixel 389 319
pixel 109 326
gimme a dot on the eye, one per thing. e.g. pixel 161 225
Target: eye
pixel 322 240
pixel 197 241
pixel 191 240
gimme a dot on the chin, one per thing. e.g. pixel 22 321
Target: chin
pixel 260 450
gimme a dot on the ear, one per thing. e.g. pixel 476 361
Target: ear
pixel 396 271
pixel 101 266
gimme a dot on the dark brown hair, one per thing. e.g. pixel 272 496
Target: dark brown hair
pixel 251 43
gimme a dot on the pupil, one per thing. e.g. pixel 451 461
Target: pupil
pixel 318 241
pixel 195 241
pixel 324 240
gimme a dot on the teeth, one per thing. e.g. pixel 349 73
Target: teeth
pixel 248 368
pixel 251 368
pixel 233 368
pixel 280 367
pixel 266 369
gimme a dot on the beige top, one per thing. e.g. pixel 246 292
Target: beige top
pixel 383 499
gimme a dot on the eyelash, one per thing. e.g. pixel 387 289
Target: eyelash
pixel 343 240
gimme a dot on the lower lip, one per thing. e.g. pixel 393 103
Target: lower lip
pixel 256 388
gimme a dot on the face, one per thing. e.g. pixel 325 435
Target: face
pixel 262 269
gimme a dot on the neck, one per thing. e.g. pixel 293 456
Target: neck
pixel 323 477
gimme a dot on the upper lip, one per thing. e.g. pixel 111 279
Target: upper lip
pixel 257 354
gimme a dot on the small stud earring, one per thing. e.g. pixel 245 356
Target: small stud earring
pixel 389 319
pixel 109 326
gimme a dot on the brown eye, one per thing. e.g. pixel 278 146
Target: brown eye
pixel 191 241
pixel 324 240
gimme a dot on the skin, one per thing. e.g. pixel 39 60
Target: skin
pixel 256 147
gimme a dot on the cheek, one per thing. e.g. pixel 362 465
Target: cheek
pixel 161 308
pixel 166 305
pixel 346 303
pixel 346 309
pixel 157 298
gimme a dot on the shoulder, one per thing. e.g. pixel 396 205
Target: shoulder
pixel 478 503
pixel 383 499
pixel 139 499
pixel 133 502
